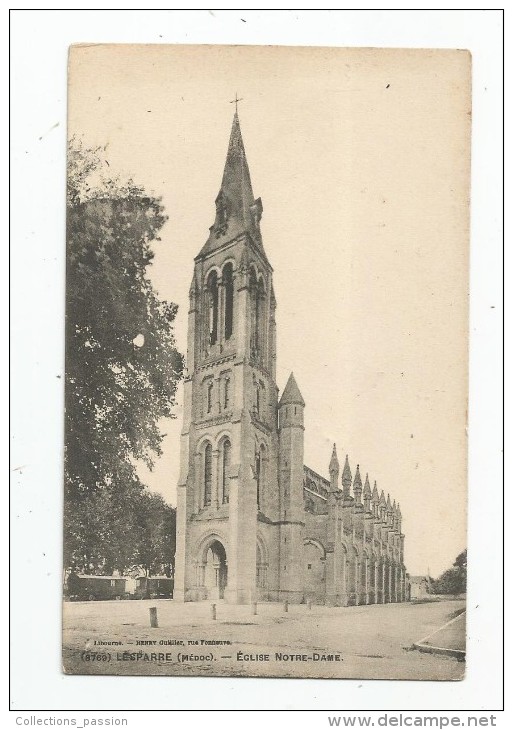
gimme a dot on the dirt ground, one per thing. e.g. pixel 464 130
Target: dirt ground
pixel 451 636
pixel 361 642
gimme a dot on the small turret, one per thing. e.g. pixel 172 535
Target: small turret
pixel 291 444
pixel 291 476
pixel 334 470
pixel 347 479
pixel 357 486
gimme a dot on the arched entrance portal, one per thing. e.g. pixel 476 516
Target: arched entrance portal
pixel 215 570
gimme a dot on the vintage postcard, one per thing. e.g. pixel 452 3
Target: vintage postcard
pixel 266 362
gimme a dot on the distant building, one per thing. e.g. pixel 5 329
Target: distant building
pixel 253 522
pixel 419 587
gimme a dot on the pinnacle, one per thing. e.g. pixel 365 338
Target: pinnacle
pixel 334 465
pixel 347 477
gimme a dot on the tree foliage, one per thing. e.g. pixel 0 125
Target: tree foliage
pixel 454 580
pixel 122 365
pixel 156 522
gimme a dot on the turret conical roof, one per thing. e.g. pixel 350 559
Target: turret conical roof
pixel 291 394
pixel 357 484
pixel 366 487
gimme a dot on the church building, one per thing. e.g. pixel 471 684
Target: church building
pixel 253 522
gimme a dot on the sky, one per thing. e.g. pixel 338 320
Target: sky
pixel 361 158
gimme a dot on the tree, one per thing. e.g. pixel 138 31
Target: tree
pixel 454 580
pixel 156 535
pixel 122 365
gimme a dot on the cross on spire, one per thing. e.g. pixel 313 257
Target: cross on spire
pixel 236 102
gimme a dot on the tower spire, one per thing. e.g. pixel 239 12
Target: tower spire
pixel 237 211
pixel 236 182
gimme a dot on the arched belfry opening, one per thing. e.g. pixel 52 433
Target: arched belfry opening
pixel 212 307
pixel 260 318
pixel 257 309
pixel 228 300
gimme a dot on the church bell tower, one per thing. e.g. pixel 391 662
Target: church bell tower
pixel 228 496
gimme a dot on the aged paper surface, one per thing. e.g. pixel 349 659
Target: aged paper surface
pixel 308 213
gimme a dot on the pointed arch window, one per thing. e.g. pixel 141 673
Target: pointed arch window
pixel 226 461
pixel 228 300
pixel 207 476
pixel 213 306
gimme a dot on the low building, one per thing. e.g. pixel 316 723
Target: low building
pixel 419 587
